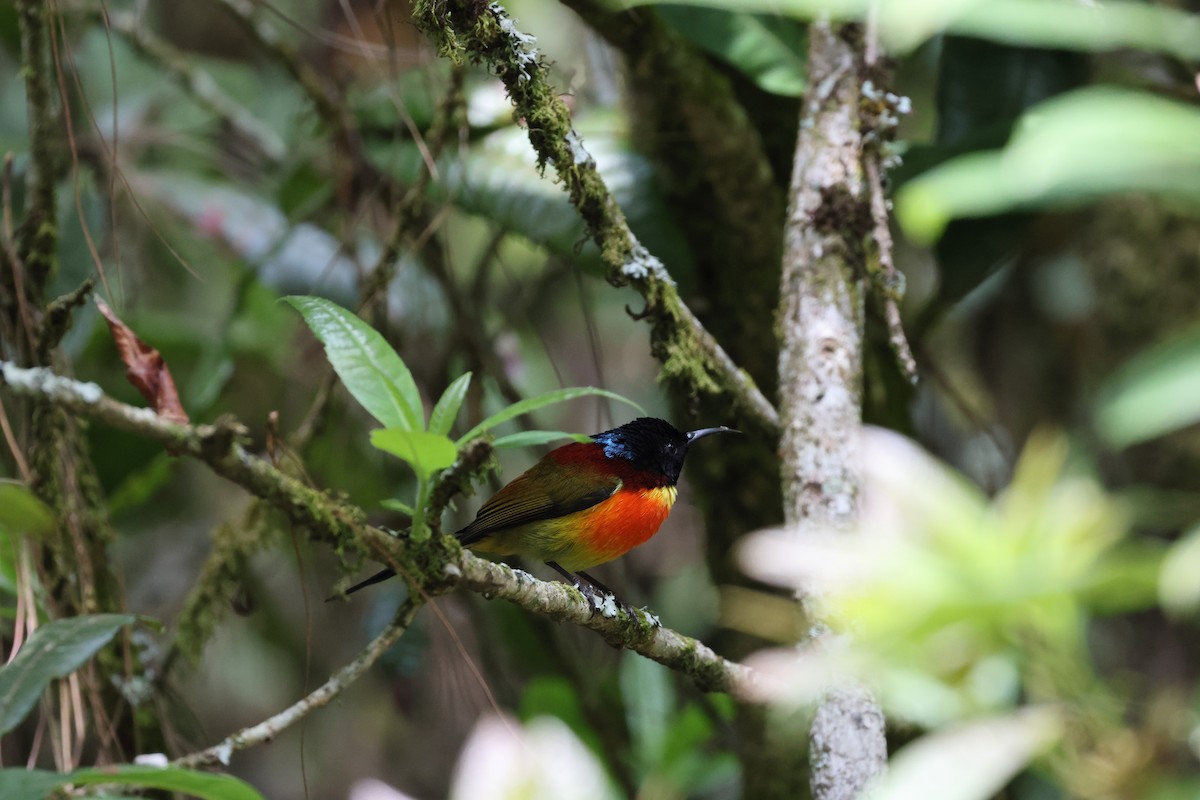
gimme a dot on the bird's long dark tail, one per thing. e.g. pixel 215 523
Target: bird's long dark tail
pixel 378 577
pixel 463 536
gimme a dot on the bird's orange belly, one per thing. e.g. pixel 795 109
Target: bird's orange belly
pixel 593 536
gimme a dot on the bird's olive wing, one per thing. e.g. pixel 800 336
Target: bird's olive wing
pixel 546 491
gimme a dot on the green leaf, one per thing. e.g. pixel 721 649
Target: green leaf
pixel 372 371
pixel 556 696
pixel 534 438
pixel 1178 589
pixel 541 401
pixel 425 452
pixel 1070 149
pixel 441 419
pixel 996 749
pixel 768 49
pixel 396 505
pixel 21 512
pixel 55 650
pixel 36 784
pixel 1156 393
pixel 905 24
pixel 498 179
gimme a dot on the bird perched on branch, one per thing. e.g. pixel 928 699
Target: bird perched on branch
pixel 584 503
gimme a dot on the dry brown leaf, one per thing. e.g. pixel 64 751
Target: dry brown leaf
pixel 145 368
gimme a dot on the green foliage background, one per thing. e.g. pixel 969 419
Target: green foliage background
pixel 1048 157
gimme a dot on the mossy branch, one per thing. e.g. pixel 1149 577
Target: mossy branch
pixel 467 30
pixel 431 568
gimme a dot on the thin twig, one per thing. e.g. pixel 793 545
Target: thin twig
pixel 890 294
pixel 271 727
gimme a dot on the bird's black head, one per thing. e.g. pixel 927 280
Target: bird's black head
pixel 652 444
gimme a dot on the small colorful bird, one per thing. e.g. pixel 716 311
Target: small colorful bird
pixel 584 503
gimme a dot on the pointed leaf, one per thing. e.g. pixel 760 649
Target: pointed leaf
pixel 372 371
pixel 1156 393
pixel 55 650
pixel 769 50
pixel 36 784
pixel 396 505
pixel 21 512
pixel 1070 149
pixel 441 419
pixel 1178 589
pixel 905 24
pixel 425 452
pixel 931 768
pixel 541 401
pixel 534 438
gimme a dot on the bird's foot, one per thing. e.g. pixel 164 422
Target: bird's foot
pixel 601 600
pixel 612 604
pixel 589 593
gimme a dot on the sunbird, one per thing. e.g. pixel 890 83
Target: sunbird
pixel 584 503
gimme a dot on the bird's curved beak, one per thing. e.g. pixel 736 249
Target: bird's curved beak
pixel 693 436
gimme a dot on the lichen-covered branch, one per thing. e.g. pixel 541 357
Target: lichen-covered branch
pixel 464 29
pixel 270 728
pixel 431 568
pixel 820 366
pixel 713 163
pixel 645 636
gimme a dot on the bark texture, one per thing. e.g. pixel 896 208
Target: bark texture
pixel 820 366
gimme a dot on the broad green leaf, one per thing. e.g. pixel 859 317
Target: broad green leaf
pixel 395 505
pixel 1070 149
pixel 932 767
pixel 498 179
pixel 441 419
pixel 556 696
pixel 541 401
pixel 1156 393
pixel 36 784
pixel 534 438
pixel 372 371
pixel 1178 589
pixel 425 452
pixel 55 650
pixel 769 50
pixel 905 24
pixel 21 512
